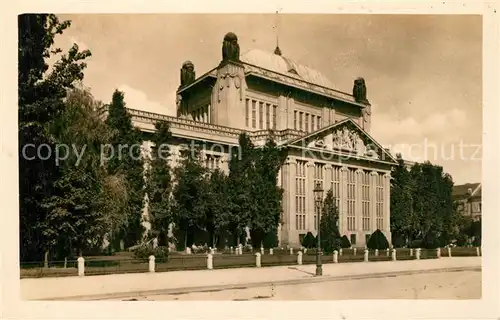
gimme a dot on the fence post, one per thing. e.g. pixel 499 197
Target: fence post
pixel 438 252
pixel 305 250
pixel 449 252
pixel 271 251
pixel 81 266
pixel 388 252
pixel 417 253
pixel 230 249
pixel 151 263
pixel 376 252
pixel 261 250
pixel 340 251
pixel 336 256
pixel 478 252
pixel 210 261
pixel 291 251
pixel 394 255
pixel 411 252
pixel 257 259
pixel 354 251
pixel 299 257
pixel 366 255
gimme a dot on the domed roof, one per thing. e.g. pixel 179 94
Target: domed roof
pixel 285 66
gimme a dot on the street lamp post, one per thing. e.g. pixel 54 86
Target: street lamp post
pixel 318 196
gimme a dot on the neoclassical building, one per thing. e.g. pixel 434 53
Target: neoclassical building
pixel 325 132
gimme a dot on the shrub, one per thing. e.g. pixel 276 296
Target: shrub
pixel 270 240
pixel 344 242
pixel 309 241
pixel 415 243
pixel 143 252
pixel 378 241
pixel 430 241
pixel 398 241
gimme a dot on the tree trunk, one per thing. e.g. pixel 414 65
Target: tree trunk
pixel 185 239
pixel 46 259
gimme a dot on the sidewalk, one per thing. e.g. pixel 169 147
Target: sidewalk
pixel 94 287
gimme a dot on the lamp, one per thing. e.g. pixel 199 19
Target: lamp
pixel 318 199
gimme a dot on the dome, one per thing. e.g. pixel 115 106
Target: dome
pixel 285 66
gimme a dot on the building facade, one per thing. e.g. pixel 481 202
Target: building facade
pixel 468 198
pixel 325 132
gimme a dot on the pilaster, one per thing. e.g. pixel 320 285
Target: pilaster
pixel 358 212
pixel 373 200
pixel 387 205
pixel 290 107
pixel 289 230
pixel 282 116
pixel 343 201
pixel 310 205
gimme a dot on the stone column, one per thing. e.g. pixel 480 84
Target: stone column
pixel 332 115
pixel 287 119
pixel 310 205
pixel 373 200
pixel 387 206
pixel 289 230
pixel 359 205
pixel 343 201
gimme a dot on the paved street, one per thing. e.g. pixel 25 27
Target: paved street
pixel 126 285
pixel 445 285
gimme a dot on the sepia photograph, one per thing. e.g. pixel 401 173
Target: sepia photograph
pixel 250 156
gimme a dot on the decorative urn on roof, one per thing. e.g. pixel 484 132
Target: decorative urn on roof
pixel 359 90
pixel 230 48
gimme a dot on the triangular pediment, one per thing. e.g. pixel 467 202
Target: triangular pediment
pixel 344 137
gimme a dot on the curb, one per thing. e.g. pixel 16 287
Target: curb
pixel 212 288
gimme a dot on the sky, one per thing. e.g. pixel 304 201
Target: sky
pixel 423 72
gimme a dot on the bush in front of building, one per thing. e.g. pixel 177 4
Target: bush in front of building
pixel 143 252
pixel 309 241
pixel 398 241
pixel 377 241
pixel 344 242
pixel 430 241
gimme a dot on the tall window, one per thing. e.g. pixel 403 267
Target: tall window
pixel 307 122
pixel 380 202
pixel 335 185
pixel 254 114
pixel 312 123
pixel 318 124
pixel 261 115
pixel 295 120
pixel 212 162
pixel 300 196
pixel 365 200
pixel 301 115
pixel 267 115
pixel 318 178
pixel 351 200
pixel 275 109
pixel 247 113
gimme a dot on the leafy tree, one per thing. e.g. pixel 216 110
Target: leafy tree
pixel 330 236
pixel 403 219
pixel 74 210
pixel 267 195
pixel 344 242
pixel 309 241
pixel 218 207
pixel 159 182
pixel 377 241
pixel 41 96
pixel 189 195
pixel 126 159
pixel 241 181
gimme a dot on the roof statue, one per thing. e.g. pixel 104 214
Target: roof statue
pixel 359 90
pixel 230 48
pixel 188 75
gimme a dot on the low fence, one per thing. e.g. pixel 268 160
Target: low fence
pixel 276 257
